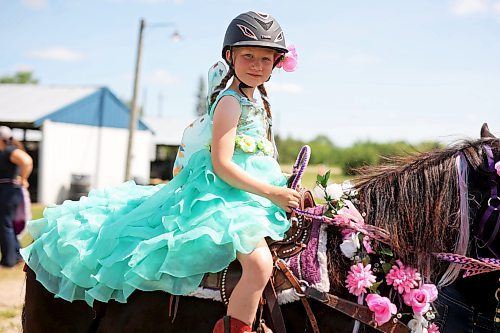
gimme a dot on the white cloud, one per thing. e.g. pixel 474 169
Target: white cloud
pixel 291 88
pixel 56 53
pixel 467 7
pixel 34 4
pixel 160 77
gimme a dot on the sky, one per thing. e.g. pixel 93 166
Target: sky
pixel 368 70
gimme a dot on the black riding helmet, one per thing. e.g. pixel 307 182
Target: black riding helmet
pixel 254 29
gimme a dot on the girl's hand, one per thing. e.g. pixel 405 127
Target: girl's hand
pixel 285 198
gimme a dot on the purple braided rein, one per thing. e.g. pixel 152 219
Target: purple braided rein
pixel 298 170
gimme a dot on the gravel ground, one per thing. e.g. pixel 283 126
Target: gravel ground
pixel 11 299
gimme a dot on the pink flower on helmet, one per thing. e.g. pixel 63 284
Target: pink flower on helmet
pixel 419 298
pixel 359 278
pixel 432 328
pixel 402 278
pixel 497 167
pixel 289 61
pixel 382 308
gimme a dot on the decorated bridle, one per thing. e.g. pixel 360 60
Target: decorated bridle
pixel 479 265
pixel 493 206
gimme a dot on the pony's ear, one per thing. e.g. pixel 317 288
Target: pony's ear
pixel 485 132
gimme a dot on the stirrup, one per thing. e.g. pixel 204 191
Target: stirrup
pixel 231 325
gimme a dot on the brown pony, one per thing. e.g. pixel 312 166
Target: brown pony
pixel 415 198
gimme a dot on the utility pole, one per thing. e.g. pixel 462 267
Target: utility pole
pixel 134 115
pixel 134 109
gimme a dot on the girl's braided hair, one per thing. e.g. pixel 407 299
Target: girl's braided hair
pixel 222 85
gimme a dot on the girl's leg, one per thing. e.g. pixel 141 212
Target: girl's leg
pixel 257 269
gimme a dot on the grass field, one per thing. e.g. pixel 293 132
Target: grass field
pixel 36 213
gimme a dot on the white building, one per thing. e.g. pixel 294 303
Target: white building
pixel 168 134
pixel 74 131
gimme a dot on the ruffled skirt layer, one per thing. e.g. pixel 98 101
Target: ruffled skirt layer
pixel 163 237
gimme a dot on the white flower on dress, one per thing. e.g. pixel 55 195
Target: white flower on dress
pixel 335 191
pixel 350 246
pixel 266 146
pixel 246 143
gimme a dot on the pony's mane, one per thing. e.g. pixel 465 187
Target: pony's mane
pixel 416 198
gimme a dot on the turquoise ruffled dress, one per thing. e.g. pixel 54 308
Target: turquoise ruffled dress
pixel 164 237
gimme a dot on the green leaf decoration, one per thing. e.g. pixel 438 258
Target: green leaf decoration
pixel 375 286
pixel 327 176
pixel 387 251
pixel 386 267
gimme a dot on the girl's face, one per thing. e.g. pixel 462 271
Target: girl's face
pixel 253 65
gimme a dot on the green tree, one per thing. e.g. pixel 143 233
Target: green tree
pixel 21 77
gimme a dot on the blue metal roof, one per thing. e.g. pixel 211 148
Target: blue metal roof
pixel 101 108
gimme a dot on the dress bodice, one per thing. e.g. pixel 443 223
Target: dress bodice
pixel 252 128
pixel 251 132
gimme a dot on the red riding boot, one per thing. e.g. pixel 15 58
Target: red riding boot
pixel 231 325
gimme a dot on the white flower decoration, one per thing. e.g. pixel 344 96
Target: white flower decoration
pixel 334 191
pixel 266 146
pixel 318 192
pixel 418 324
pixel 246 143
pixel 349 247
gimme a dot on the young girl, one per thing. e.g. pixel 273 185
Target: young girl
pixel 227 198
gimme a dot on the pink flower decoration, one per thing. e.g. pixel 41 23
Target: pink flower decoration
pixel 289 61
pixel 432 290
pixel 359 278
pixel 419 298
pixel 367 245
pixel 402 278
pixel 382 307
pixel 497 167
pixel 346 233
pixel 432 328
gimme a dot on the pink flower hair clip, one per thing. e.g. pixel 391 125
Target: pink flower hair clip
pixel 289 60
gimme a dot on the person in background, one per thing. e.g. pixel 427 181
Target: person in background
pixel 15 167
